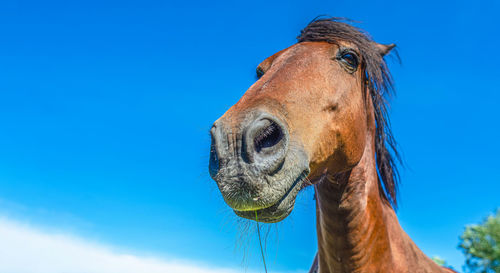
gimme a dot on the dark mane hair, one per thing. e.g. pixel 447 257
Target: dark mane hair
pixel 379 81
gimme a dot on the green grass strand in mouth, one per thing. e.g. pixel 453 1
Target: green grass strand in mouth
pixel 260 242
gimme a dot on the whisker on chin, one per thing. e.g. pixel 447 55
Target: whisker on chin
pixel 247 238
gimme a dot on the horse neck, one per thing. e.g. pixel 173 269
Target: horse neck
pixel 350 229
pixel 358 230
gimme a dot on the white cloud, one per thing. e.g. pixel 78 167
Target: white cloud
pixel 24 249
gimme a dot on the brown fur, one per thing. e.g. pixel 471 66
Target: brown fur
pixel 338 118
pixel 379 81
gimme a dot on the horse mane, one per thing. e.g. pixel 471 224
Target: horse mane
pixel 380 84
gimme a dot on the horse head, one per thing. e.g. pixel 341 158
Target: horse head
pixel 308 114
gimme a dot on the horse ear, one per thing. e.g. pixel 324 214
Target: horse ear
pixel 384 49
pixel 266 64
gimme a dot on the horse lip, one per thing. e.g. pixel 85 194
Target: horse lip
pixel 262 216
pixel 300 178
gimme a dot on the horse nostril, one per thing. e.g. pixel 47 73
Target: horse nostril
pixel 213 165
pixel 268 137
pixel 266 143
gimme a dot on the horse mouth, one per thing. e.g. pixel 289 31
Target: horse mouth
pixel 280 209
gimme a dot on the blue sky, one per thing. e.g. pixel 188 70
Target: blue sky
pixel 105 110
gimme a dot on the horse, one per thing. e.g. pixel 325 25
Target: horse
pixel 317 116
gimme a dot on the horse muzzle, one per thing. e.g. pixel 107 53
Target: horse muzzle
pixel 253 165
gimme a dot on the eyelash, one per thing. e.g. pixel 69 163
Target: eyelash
pixel 350 65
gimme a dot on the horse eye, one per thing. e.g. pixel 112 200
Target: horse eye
pixel 350 59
